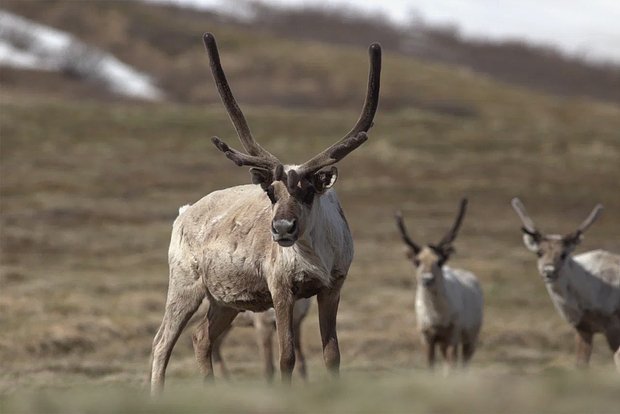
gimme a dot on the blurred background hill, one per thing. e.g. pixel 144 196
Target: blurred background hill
pixel 161 41
pixel 91 178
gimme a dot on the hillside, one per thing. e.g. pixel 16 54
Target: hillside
pixel 89 189
pixel 165 42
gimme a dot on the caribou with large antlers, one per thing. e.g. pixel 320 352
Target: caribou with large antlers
pixel 253 247
pixel 585 289
pixel 448 301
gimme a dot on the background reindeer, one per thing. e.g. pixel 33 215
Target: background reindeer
pixel 264 324
pixel 253 247
pixel 448 301
pixel 585 289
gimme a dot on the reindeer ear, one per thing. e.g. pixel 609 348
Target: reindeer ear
pixel 324 180
pixel 530 242
pixel 262 177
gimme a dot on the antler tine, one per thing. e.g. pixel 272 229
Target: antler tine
pixel 234 112
pixel 356 136
pixel 400 223
pixel 528 224
pixel 596 212
pixel 332 154
pixel 364 123
pixel 452 233
pixel 240 158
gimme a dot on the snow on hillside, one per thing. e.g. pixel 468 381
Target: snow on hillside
pixel 29 45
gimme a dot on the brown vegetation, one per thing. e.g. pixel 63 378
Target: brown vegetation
pixel 89 190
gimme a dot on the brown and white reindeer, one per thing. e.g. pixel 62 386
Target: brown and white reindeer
pixel 585 289
pixel 264 324
pixel 448 301
pixel 253 247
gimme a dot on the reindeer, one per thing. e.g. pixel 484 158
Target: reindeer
pixel 585 289
pixel 253 247
pixel 448 301
pixel 264 324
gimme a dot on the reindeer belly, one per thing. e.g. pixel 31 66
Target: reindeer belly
pixel 439 333
pixel 233 293
pixel 593 321
pixel 245 290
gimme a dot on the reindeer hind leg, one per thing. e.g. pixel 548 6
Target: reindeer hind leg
pixel 216 322
pixel 180 306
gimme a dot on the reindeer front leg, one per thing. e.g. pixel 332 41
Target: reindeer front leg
pixel 328 301
pixel 583 339
pixel 430 343
pixel 283 304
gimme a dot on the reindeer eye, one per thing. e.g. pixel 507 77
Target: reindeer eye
pixel 539 253
pixel 563 255
pixel 271 194
pixel 416 262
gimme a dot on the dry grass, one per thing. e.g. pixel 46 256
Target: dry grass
pixel 473 391
pixel 89 191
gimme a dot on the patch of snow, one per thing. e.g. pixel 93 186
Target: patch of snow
pixel 27 44
pixel 11 56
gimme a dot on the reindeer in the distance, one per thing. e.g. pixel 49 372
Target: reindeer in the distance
pixel 253 247
pixel 585 289
pixel 448 301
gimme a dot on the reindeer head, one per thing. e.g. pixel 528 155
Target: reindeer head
pixel 429 260
pixel 552 249
pixel 292 190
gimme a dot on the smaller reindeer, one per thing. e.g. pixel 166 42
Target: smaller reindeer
pixel 585 289
pixel 448 301
pixel 265 325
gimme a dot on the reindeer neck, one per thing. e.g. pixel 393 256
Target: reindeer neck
pixel 434 297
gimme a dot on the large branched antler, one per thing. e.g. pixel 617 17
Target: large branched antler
pixel 241 159
pixel 356 136
pixel 234 112
pixel 528 223
pixel 449 237
pixel 259 158
pixel 400 223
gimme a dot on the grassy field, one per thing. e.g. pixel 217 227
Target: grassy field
pixel 89 191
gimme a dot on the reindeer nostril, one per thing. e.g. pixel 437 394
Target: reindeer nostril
pixel 283 227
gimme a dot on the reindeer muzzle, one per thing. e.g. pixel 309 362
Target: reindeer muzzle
pixel 285 232
pixel 549 273
pixel 428 281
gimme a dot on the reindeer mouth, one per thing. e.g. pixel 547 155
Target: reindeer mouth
pixel 428 281
pixel 550 278
pixel 285 242
pixel 549 273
